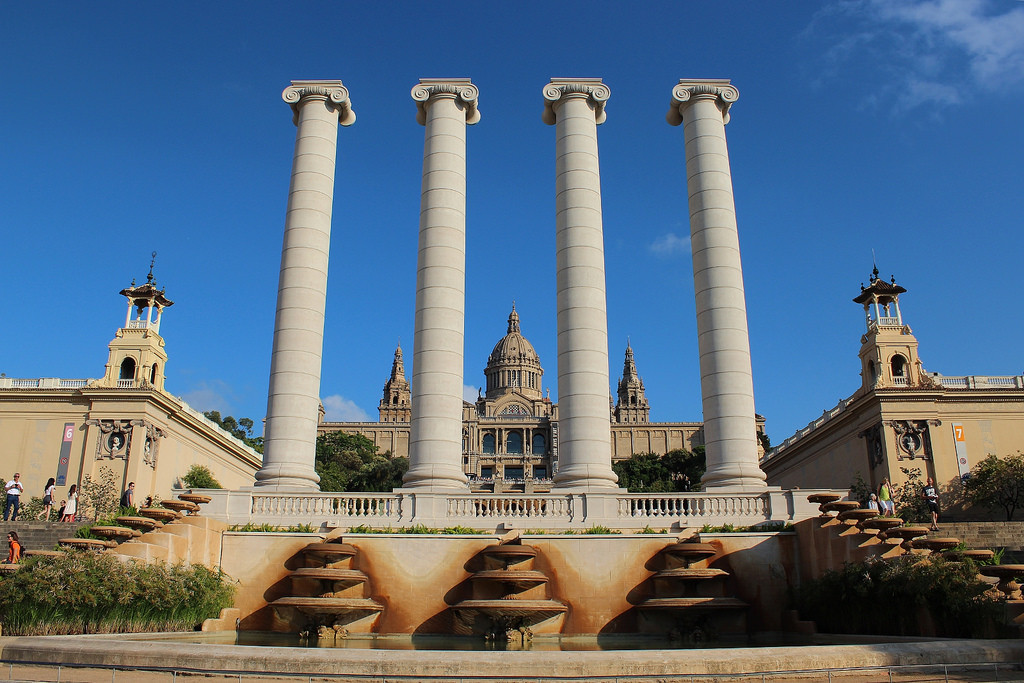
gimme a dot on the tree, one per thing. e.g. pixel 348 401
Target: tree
pixel 200 477
pixel 908 499
pixel 998 483
pixel 241 428
pixel 350 462
pixel 677 470
pixel 102 495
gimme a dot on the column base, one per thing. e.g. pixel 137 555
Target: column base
pixel 587 477
pixel 287 477
pixel 734 475
pixel 430 477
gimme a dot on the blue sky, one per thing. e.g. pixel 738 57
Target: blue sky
pixel 131 127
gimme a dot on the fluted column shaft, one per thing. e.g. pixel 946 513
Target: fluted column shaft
pixel 576 107
pixel 294 392
pixel 445 107
pixel 727 389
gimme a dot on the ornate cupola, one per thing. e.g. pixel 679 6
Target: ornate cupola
pixel 513 364
pixel 137 358
pixel 396 404
pixel 632 405
pixel 888 349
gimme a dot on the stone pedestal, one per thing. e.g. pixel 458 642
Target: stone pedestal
pixel 445 107
pixel 576 107
pixel 294 393
pixel 727 389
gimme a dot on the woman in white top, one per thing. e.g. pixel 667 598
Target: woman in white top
pixel 47 499
pixel 72 507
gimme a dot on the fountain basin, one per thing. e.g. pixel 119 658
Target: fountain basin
pixel 329 606
pixel 694 604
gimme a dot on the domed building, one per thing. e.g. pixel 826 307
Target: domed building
pixel 510 433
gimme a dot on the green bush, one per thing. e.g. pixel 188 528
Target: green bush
pixel 200 477
pixel 85 592
pixel 890 596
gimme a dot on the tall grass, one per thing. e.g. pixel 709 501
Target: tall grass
pixel 85 592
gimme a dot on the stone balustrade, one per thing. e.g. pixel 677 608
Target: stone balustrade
pixel 563 511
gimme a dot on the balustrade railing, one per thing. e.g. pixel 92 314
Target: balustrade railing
pixel 498 507
pixel 562 511
pixel 697 507
pixel 315 508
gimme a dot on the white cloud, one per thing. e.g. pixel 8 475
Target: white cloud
pixel 341 409
pixel 670 243
pixel 469 393
pixel 922 52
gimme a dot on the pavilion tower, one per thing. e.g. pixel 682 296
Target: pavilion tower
pixel 137 358
pixel 888 352
pixel 396 404
pixel 632 405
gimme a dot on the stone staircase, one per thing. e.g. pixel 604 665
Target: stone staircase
pixel 35 535
pixel 991 535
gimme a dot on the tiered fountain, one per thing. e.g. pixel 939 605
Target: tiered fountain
pixel 510 598
pixel 689 601
pixel 329 594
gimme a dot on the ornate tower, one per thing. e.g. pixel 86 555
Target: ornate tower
pixel 513 364
pixel 137 357
pixel 632 405
pixel 396 404
pixel 888 352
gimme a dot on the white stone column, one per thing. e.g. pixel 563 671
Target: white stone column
pixel 294 393
pixel 444 106
pixel 727 388
pixel 576 106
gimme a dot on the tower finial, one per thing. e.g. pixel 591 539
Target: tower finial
pixel 149 278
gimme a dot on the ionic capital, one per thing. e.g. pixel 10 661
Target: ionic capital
pixel 560 89
pixel 691 89
pixel 461 90
pixel 332 92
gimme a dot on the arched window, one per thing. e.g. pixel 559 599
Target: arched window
pixel 514 443
pixel 632 400
pixel 488 443
pixel 152 374
pixel 540 444
pixel 899 366
pixel 127 368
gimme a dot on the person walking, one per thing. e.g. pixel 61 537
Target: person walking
pixel 47 499
pixel 932 498
pixel 14 489
pixel 72 505
pixel 128 497
pixel 885 498
pixel 13 548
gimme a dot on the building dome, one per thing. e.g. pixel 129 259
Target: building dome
pixel 513 364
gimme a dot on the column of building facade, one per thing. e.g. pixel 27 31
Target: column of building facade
pixel 444 107
pixel 575 107
pixel 727 389
pixel 294 393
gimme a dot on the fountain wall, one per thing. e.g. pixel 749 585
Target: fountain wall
pixel 417 578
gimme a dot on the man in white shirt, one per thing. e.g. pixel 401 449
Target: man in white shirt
pixel 13 490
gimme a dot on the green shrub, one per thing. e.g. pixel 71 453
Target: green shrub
pixel 251 528
pixel 600 530
pixel 889 597
pixel 85 592
pixel 200 477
